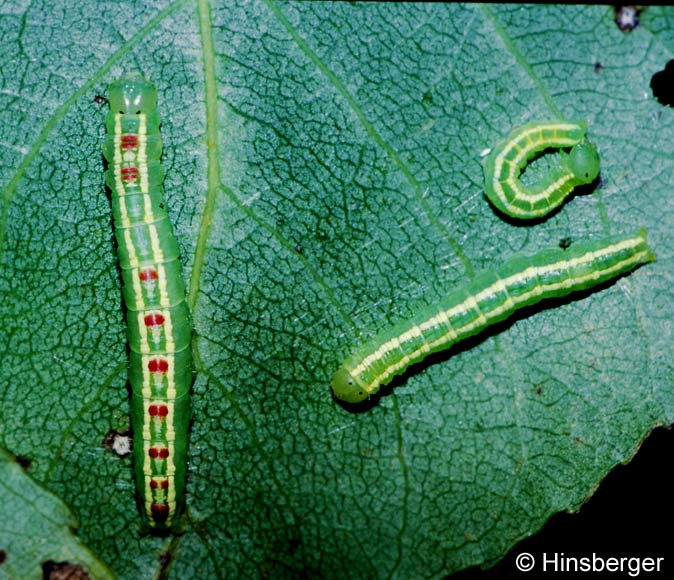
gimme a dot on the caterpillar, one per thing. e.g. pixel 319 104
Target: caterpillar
pixel 492 296
pixel 158 322
pixel 505 162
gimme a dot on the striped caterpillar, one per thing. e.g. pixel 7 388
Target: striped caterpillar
pixel 506 161
pixel 158 323
pixel 492 296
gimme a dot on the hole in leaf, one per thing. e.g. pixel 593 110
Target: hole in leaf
pixel 23 461
pixel 63 571
pixel 118 443
pixel 662 85
pixel 627 17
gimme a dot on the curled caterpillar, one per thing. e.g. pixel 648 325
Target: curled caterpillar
pixel 491 297
pixel 505 162
pixel 158 323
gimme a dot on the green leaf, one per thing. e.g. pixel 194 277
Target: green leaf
pixel 36 529
pixel 324 178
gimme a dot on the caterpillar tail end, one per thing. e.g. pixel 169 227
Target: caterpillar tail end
pixel 651 256
pixel 151 528
pixel 161 518
pixel 347 388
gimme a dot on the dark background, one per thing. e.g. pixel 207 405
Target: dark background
pixel 631 514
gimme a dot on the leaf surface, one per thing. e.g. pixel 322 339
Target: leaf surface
pixel 324 179
pixel 36 530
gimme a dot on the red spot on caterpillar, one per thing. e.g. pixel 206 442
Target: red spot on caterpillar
pixel 160 512
pixel 159 483
pixel 129 141
pixel 148 275
pixel 155 453
pixel 158 410
pixel 154 319
pixel 157 365
pixel 130 173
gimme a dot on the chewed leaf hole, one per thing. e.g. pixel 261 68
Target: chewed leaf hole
pixel 64 571
pixel 118 443
pixel 627 17
pixel 662 85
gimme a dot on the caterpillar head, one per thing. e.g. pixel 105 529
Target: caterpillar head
pixel 347 387
pixel 584 162
pixel 132 94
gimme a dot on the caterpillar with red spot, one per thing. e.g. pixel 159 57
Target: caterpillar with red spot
pixel 158 321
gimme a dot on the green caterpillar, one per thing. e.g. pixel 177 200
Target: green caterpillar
pixel 491 297
pixel 505 162
pixel 158 322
